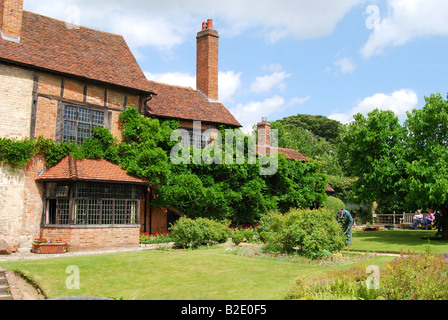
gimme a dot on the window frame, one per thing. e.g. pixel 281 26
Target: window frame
pixel 131 205
pixel 61 120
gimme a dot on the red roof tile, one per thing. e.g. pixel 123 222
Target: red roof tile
pixel 87 170
pixel 187 104
pixel 290 154
pixel 48 44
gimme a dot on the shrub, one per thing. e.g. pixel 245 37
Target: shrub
pixel 411 277
pixel 191 233
pixel 334 204
pixel 237 238
pixel 314 232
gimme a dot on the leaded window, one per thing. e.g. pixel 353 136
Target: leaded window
pixel 91 204
pixel 79 123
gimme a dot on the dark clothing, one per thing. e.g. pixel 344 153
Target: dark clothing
pixel 346 223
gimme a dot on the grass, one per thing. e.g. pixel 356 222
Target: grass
pixel 395 241
pixel 206 274
pixel 210 274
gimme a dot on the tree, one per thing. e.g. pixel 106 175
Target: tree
pixel 427 158
pixel 372 152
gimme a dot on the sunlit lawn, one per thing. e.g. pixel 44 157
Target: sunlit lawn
pixel 210 274
pixel 395 241
pixel 205 274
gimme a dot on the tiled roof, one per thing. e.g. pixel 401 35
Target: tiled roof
pixel 187 104
pixel 48 44
pixel 87 170
pixel 290 154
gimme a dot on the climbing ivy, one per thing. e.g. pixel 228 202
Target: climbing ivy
pixel 236 192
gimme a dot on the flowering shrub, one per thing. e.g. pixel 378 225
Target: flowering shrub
pixel 156 238
pixel 47 241
pixel 411 277
pixel 245 234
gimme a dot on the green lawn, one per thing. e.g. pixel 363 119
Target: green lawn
pixel 205 274
pixel 210 274
pixel 396 240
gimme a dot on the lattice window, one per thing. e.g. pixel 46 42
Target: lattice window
pixel 79 123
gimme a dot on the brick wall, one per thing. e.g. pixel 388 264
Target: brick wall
pixel 16 92
pixel 11 18
pixel 82 239
pixel 207 63
pixel 53 89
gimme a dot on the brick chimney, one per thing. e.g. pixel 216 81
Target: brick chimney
pixel 264 133
pixel 11 19
pixel 207 60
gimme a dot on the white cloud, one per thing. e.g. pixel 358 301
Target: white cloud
pixel 346 65
pixel 405 21
pixel 173 78
pixel 252 112
pixel 399 102
pixel 229 82
pixel 165 24
pixel 267 83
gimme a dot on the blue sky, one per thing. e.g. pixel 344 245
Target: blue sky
pixel 281 58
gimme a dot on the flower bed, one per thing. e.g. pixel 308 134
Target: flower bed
pixel 45 246
pixel 156 238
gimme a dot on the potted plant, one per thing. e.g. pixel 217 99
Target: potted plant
pixel 370 227
pixel 46 246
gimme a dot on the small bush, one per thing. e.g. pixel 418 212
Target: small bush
pixel 314 232
pixel 192 233
pixel 334 204
pixel 160 237
pixel 237 238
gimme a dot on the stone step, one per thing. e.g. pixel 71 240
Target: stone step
pixel 4 287
pixel 5 297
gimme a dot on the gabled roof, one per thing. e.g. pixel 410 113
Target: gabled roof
pixel 187 104
pixel 70 169
pixel 48 44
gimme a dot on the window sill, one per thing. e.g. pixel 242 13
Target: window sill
pixel 98 226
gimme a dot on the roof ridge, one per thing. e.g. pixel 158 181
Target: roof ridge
pixel 65 22
pixel 73 170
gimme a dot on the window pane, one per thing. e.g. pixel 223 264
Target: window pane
pixel 63 211
pixel 85 115
pixel 69 131
pixel 120 212
pixel 82 190
pixel 132 212
pixel 98 118
pixel 83 132
pixel 94 212
pixel 80 212
pixel 71 113
pixel 106 211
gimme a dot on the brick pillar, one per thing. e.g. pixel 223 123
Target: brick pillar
pixel 11 18
pixel 264 133
pixel 207 60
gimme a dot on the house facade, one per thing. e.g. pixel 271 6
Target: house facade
pixel 59 82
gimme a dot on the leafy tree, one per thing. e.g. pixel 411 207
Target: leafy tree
pixel 427 158
pixel 372 151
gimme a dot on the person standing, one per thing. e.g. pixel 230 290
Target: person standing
pixel 345 220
